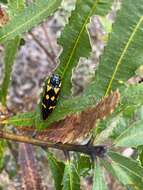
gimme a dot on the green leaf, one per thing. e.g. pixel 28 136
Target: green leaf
pixel 75 39
pixel 108 167
pixel 134 182
pixel 57 169
pixel 98 181
pixel 71 179
pixel 123 175
pixel 11 48
pixel 139 113
pixel 118 172
pixel 113 127
pixel 140 153
pixel 2 150
pixel 123 54
pixel 121 125
pixel 10 53
pixel 83 164
pixel 130 97
pixel 15 6
pixel 128 163
pixel 22 119
pixel 3 1
pixel 28 18
pixel 131 137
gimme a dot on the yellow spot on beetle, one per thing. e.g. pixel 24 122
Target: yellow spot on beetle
pixel 47 97
pixel 51 107
pixel 44 105
pixel 56 90
pixel 49 81
pixel 49 88
pixel 53 98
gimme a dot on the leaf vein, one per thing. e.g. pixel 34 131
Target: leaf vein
pixel 29 21
pixel 123 54
pixel 79 35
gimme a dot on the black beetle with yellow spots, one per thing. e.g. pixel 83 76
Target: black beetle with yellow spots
pixel 50 95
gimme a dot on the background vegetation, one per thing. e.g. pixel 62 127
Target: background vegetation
pixel 109 107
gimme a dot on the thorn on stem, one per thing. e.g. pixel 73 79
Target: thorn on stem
pixel 99 151
pixel 67 155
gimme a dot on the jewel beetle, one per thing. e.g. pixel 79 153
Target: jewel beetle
pixel 50 95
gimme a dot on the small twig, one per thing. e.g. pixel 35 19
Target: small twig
pixel 49 55
pixel 90 150
pixel 49 40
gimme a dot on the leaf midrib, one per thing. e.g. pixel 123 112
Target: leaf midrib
pixel 78 37
pixel 129 160
pixel 123 54
pixel 25 23
pixel 133 172
pixel 71 177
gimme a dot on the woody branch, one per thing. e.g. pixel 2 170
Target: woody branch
pixel 88 149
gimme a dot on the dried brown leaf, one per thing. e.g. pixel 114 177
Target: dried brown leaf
pixel 4 18
pixel 76 127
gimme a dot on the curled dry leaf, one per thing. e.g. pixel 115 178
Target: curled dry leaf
pixel 4 18
pixel 76 127
pixel 29 175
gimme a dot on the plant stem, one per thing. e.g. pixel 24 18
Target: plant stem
pixel 86 149
pixel 48 39
pixel 51 58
